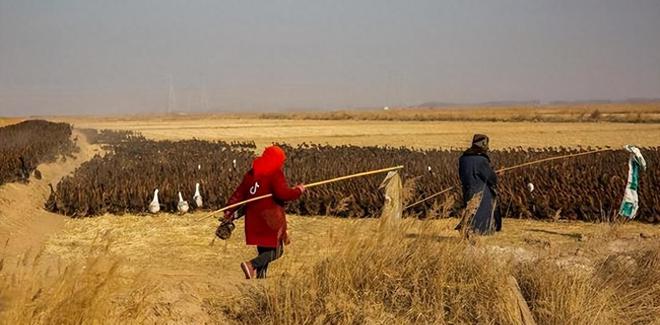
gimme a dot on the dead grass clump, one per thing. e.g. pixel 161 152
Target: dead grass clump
pixel 397 279
pixel 624 289
pixel 409 189
pixel 635 278
pixel 75 296
pixel 414 276
pixel 558 296
pixel 38 291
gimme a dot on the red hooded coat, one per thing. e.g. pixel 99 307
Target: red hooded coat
pixel 265 221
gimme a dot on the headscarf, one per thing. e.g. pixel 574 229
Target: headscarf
pixel 480 141
pixel 479 146
pixel 272 159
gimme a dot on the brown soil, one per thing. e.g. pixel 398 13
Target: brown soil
pixel 24 223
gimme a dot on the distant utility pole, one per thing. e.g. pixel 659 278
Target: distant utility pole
pixel 171 101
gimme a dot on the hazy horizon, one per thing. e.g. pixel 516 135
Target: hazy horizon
pixel 93 57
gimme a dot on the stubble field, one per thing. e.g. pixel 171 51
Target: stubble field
pixel 442 134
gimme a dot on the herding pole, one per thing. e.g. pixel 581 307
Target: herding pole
pixel 336 179
pixel 499 171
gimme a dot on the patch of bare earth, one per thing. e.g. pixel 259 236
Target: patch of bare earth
pixel 24 223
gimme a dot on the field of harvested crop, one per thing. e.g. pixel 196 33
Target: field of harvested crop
pixel 7 121
pixel 169 268
pixel 443 134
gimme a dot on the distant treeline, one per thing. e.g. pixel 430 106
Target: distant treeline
pixel 575 113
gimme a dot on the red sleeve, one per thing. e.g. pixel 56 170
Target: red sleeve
pixel 239 194
pixel 281 189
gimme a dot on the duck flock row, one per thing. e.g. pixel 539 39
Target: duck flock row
pixel 143 176
pixel 137 175
pixel 25 145
pixel 588 187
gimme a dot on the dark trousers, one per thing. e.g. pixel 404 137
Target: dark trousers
pixel 266 255
pixel 498 220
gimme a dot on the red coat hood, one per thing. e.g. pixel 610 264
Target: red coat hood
pixel 271 160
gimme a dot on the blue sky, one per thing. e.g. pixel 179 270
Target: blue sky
pixel 106 57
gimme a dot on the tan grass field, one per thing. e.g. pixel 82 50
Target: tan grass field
pixel 169 269
pixel 6 121
pixel 450 134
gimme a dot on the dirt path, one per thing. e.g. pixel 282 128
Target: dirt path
pixel 24 224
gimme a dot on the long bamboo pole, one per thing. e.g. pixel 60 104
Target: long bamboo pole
pixel 499 171
pixel 502 170
pixel 336 179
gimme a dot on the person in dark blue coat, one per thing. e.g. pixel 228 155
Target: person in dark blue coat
pixel 479 183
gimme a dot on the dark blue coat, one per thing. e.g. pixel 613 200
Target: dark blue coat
pixel 478 176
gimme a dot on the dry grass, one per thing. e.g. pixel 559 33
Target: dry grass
pixel 40 292
pixel 167 269
pixel 432 134
pixel 623 289
pixel 605 112
pixel 393 278
pixel 641 112
pixel 536 126
pixel 387 279
pixel 7 120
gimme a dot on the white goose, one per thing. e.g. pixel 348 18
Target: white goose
pixel 530 187
pixel 154 206
pixel 198 197
pixel 183 205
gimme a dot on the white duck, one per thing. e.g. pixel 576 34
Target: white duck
pixel 154 206
pixel 183 205
pixel 198 197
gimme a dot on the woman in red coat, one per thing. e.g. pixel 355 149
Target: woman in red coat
pixel 265 221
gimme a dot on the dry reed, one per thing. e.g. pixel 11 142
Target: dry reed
pixel 42 291
pixel 414 276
